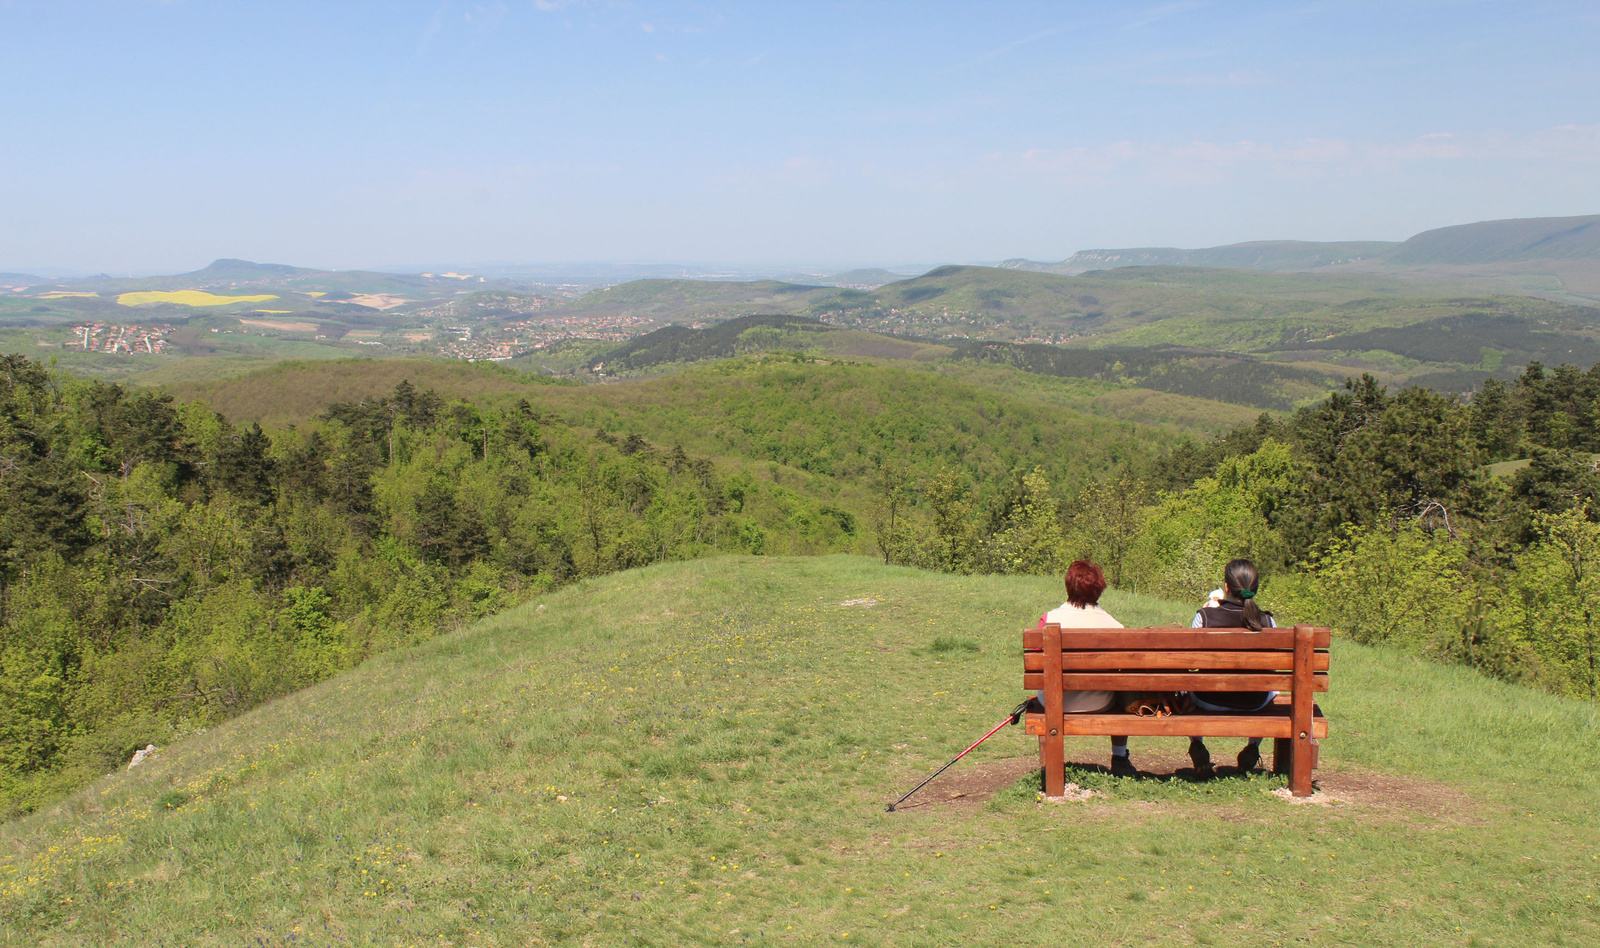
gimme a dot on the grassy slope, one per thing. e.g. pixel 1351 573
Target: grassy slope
pixel 700 753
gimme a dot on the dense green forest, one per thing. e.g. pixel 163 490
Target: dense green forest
pixel 162 568
pixel 1374 512
pixel 1178 370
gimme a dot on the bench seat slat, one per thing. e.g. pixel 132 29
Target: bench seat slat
pixel 1173 681
pixel 1181 660
pixel 1256 724
pixel 1033 639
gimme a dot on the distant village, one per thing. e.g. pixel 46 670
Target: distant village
pixel 119 338
pixel 528 335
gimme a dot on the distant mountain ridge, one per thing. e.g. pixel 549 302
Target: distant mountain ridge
pixel 1254 255
pixel 1484 242
pixel 1531 238
pixel 228 268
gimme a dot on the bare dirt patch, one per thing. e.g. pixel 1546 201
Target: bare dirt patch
pixel 1351 788
pixel 971 787
pixel 378 300
pixel 1408 795
pixel 282 325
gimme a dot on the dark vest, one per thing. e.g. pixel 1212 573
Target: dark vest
pixel 1229 614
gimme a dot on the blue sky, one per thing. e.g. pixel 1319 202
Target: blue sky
pixel 154 137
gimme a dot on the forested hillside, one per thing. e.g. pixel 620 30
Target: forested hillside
pixel 1297 335
pixel 1379 513
pixel 1177 370
pixel 163 567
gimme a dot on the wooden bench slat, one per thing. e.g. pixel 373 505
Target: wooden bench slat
pixel 1279 661
pixel 1172 681
pixel 1033 639
pixel 1177 725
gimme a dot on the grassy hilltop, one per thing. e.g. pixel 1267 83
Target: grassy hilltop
pixel 700 753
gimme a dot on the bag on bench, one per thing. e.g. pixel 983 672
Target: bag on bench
pixel 1155 704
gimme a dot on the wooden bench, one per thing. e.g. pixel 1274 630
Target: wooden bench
pixel 1293 662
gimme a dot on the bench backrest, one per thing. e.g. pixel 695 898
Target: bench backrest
pixel 1170 659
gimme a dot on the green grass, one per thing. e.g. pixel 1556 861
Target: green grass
pixel 701 753
pixel 1507 468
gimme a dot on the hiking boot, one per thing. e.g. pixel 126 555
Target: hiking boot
pixel 1122 766
pixel 1249 757
pixel 1202 759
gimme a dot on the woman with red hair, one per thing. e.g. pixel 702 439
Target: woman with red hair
pixel 1085 582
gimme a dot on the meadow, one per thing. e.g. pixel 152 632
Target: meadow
pixel 701 753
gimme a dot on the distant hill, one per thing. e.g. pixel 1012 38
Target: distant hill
pixel 1254 255
pixel 1005 304
pixel 875 275
pixel 1554 257
pixel 231 269
pixel 1206 307
pixel 682 344
pixel 20 279
pixel 1262 339
pixel 1467 338
pixel 1198 373
pixel 1533 238
pixel 866 279
pixel 756 333
pixel 692 300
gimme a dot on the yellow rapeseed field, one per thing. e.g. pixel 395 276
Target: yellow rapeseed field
pixel 188 298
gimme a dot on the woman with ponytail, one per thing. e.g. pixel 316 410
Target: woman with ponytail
pixel 1236 608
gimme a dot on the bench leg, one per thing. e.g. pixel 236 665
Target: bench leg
pixel 1305 756
pixel 1301 711
pixel 1282 750
pixel 1053 754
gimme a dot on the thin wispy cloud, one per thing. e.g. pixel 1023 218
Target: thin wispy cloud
pixel 1007 48
pixel 430 29
pixel 1165 11
pixel 1234 77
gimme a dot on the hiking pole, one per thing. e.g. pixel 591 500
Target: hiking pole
pixel 1012 718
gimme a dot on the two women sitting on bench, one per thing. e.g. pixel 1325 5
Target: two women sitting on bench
pixel 1232 607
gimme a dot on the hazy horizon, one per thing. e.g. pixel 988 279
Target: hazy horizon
pixel 154 138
